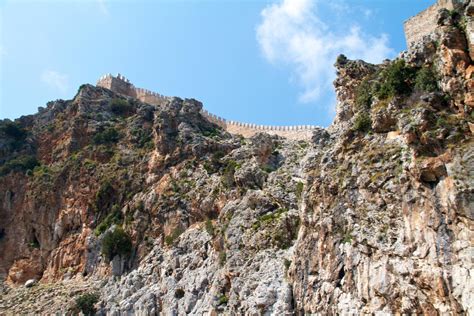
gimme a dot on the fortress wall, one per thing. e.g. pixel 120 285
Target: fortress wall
pixel 299 132
pixel 420 25
pixel 290 132
pixel 148 96
pixel 248 130
pixel 121 85
pixel 425 22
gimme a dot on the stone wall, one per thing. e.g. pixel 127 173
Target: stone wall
pixel 297 132
pixel 424 23
pixel 120 84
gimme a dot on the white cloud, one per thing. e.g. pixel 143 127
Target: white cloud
pixel 55 80
pixel 103 7
pixel 292 33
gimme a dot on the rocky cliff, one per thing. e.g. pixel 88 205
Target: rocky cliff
pixel 116 205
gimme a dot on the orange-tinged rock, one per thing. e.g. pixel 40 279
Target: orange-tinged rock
pixel 25 269
pixel 470 72
pixel 393 135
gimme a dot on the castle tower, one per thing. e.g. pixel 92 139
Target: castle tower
pixel 118 84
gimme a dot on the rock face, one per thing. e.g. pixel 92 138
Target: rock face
pixel 159 211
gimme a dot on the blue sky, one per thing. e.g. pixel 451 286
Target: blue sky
pixel 264 62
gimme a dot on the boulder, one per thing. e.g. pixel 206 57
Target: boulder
pixel 30 283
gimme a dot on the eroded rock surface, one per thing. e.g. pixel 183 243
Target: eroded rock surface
pixel 159 211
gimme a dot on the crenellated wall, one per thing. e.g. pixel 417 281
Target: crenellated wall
pixel 120 84
pixel 248 129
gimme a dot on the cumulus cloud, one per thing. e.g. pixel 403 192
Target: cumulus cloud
pixel 292 33
pixel 55 80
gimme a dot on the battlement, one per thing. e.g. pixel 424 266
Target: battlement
pixel 120 84
pixel 425 23
pixel 248 129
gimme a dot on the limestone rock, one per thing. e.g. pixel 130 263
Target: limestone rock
pixel 345 220
pixel 30 283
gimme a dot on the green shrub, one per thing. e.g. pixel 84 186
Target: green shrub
pixel 303 144
pixel 170 239
pixel 116 242
pixel 426 80
pixel 362 122
pixel 85 303
pixel 268 168
pixel 212 133
pixel 114 217
pixel 34 243
pixel 104 196
pixel 228 173
pixel 13 130
pixel 223 299
pixel 273 216
pixel 363 95
pixel 395 80
pixel 222 257
pixel 107 136
pixel 142 137
pixel 347 238
pixel 209 227
pixel 214 163
pixel 20 163
pixel 341 59
pixel 120 107
pixel 299 189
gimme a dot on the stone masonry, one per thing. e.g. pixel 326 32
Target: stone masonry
pixel 424 23
pixel 121 85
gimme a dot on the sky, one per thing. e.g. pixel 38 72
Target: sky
pixel 264 62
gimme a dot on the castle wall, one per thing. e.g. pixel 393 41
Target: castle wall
pixel 425 22
pixel 121 85
pixel 296 132
pixel 420 25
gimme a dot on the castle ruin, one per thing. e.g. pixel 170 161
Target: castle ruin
pixel 119 84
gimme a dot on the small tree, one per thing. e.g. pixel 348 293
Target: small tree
pixel 85 303
pixel 362 122
pixel 13 130
pixel 116 242
pixel 395 80
pixel 363 95
pixel 107 136
pixel 426 80
pixel 120 107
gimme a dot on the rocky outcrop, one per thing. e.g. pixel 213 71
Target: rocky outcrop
pixel 154 209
